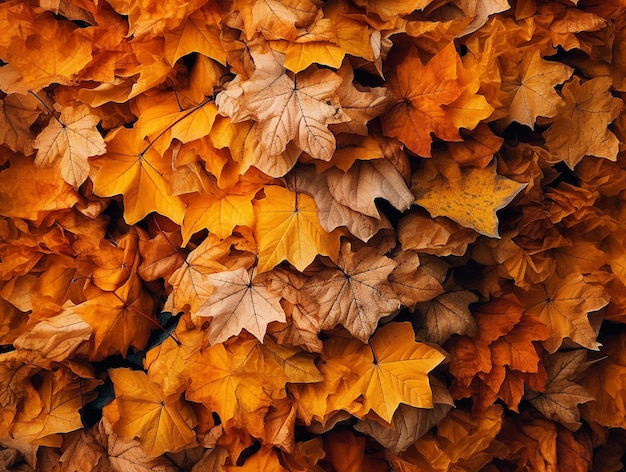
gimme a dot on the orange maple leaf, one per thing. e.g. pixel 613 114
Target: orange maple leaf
pixel 163 423
pixel 431 99
pixel 134 169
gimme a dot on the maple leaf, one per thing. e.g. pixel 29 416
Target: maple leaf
pixel 431 98
pixel 198 33
pixel 113 262
pixel 470 196
pixel 17 113
pixel 161 422
pixel 447 314
pixel 560 399
pixel 409 423
pixel 347 198
pixel 606 383
pixel 501 358
pixel 356 295
pixel 580 127
pixel 563 305
pixel 58 337
pixel 287 228
pixel 388 9
pixel 412 281
pixel 438 236
pixel 392 369
pixel 463 440
pixel 54 407
pixel 240 300
pixel 238 381
pixel 70 139
pixel 529 86
pixel 316 44
pixel 189 281
pixel 132 168
pixel 119 319
pixel 220 211
pixel 30 192
pixel 42 51
pixel 276 19
pixel 286 108
pixel 360 103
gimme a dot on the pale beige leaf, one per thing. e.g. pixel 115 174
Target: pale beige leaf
pixel 71 140
pixel 239 301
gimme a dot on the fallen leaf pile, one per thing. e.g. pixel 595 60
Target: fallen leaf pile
pixel 306 235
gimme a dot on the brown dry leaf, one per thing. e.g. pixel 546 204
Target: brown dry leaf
pixel 562 395
pixel 581 126
pixel 240 299
pixel 70 140
pixel 360 103
pixel 276 19
pixel 438 236
pixel 529 88
pixel 412 283
pixel 127 454
pixel 390 9
pixel 447 314
pixel 189 282
pixel 356 295
pixel 85 452
pixel 348 198
pixel 408 423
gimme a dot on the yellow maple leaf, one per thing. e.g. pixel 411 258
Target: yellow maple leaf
pixel 581 127
pixel 470 196
pixel 393 369
pixel 287 228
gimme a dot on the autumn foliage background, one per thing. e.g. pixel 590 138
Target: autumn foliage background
pixel 262 235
